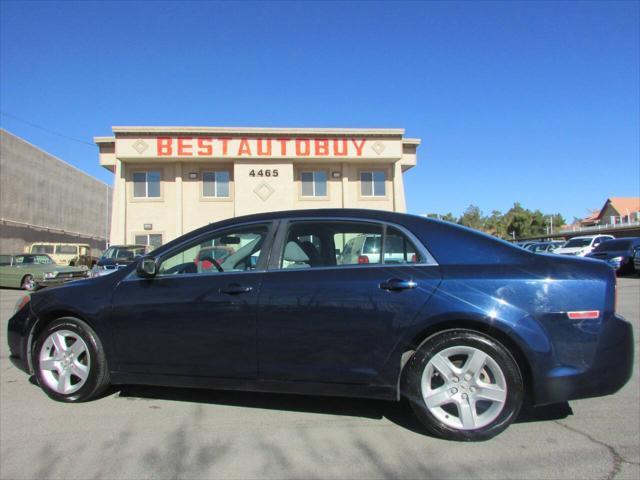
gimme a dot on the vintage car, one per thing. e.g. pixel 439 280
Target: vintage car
pixel 32 271
pixel 466 327
pixel 72 254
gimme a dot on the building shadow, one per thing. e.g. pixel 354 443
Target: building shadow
pixel 399 413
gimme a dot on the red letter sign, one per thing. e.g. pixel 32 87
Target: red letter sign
pixel 164 147
pixel 322 147
pixel 205 147
pixel 184 146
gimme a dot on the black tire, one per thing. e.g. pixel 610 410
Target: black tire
pixel 97 380
pixel 511 377
pixel 28 283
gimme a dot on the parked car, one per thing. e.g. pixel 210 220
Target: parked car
pixel 367 248
pixel 32 271
pixel 618 253
pixel 73 254
pixel 117 256
pixel 636 260
pixel 580 246
pixel 544 247
pixel 465 332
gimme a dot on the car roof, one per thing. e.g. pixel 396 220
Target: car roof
pixel 592 236
pixel 127 246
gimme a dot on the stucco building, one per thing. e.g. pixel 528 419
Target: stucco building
pixel 171 180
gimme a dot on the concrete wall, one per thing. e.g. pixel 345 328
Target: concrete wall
pixel 43 199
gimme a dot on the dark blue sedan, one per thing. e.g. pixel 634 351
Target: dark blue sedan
pixel 463 325
pixel 618 253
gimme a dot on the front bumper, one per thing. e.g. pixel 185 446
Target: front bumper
pixel 19 328
pixel 53 282
pixel 610 370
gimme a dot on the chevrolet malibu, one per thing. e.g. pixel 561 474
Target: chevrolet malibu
pixel 464 326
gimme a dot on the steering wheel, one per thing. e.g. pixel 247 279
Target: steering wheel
pixel 217 265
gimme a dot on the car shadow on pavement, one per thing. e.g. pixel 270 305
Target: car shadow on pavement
pixel 396 412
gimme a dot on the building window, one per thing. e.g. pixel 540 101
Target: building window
pixel 146 184
pixel 154 240
pixel 215 184
pixel 372 184
pixel 314 184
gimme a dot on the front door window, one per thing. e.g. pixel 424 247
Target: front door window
pixel 234 250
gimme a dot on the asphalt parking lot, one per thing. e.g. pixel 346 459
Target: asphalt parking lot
pixel 145 432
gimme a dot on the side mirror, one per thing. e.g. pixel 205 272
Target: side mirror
pixel 146 267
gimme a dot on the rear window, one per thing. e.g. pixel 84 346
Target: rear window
pixel 42 249
pixel 613 245
pixel 5 260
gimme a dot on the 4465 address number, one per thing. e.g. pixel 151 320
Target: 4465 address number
pixel 264 173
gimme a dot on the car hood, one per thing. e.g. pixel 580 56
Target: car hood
pixel 607 255
pixel 113 262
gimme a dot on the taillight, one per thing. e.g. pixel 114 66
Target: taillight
pixel 414 258
pixel 363 259
pixel 584 314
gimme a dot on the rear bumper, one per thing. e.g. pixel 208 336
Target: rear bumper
pixel 610 370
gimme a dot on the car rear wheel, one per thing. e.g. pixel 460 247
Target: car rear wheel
pixel 69 361
pixel 28 283
pixel 463 385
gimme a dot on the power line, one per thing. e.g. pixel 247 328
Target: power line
pixel 10 115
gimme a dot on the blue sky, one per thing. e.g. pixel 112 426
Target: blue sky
pixel 536 102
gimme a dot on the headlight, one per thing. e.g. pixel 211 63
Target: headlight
pixel 616 260
pixel 50 275
pixel 20 304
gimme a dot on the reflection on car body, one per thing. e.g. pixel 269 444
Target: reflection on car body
pixel 463 325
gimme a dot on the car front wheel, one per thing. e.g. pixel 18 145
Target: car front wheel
pixel 69 362
pixel 463 385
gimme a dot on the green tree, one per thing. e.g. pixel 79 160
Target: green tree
pixel 472 217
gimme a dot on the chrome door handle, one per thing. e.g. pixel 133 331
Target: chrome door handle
pixel 235 289
pixel 398 284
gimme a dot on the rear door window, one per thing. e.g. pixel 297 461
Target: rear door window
pixel 337 243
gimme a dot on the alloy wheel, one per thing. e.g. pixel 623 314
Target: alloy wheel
pixel 64 362
pixel 464 388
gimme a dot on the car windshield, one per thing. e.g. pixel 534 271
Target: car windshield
pixel 67 249
pixel 33 259
pixel 578 242
pixel 42 249
pixel 613 245
pixel 123 253
pixel 539 247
